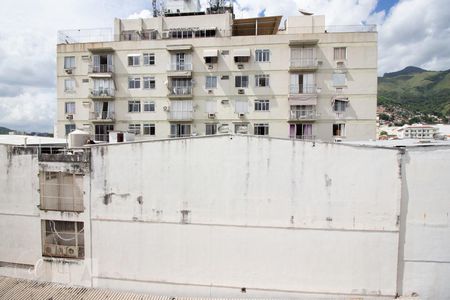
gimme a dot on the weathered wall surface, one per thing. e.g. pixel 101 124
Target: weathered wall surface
pixel 218 214
pixel 427 243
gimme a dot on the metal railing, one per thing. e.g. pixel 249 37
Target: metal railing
pixel 102 92
pixel 304 63
pixel 180 115
pixel 179 67
pixel 102 68
pixel 103 115
pixel 302 89
pixel 180 91
pixel 303 114
pixel 85 36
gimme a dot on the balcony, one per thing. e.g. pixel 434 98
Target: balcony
pixel 303 115
pixel 180 92
pixel 305 64
pixel 101 93
pixel 179 70
pixel 102 70
pixel 103 116
pixel 302 94
pixel 185 116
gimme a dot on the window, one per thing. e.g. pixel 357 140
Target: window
pixel 149 106
pixel 69 62
pixel 149 129
pixel 262 80
pixel 211 106
pixel 134 106
pixel 241 81
pixel 134 128
pixel 180 130
pixel 149 82
pixel 211 82
pixel 69 85
pixel 340 53
pixel 339 105
pixel 210 129
pixel 241 128
pixel 149 59
pixel 149 34
pixel 69 128
pixel 63 239
pixel 261 129
pixel 69 107
pixel 339 79
pixel 134 60
pixel 61 191
pixel 338 129
pixel 262 105
pixel 211 59
pixel 262 55
pixel 134 82
pixel 241 106
pixel 241 59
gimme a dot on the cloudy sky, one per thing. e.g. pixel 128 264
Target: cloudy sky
pixel 411 32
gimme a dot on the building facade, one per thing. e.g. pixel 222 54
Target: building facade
pixel 201 74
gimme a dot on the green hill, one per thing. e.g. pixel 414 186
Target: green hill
pixel 4 130
pixel 415 93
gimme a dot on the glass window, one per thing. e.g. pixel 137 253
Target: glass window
pixel 261 129
pixel 180 130
pixel 262 55
pixel 262 80
pixel 69 128
pixel 210 129
pixel 211 82
pixel 63 239
pixel 69 107
pixel 149 106
pixel 149 82
pixel 134 128
pixel 339 106
pixel 262 105
pixel 241 81
pixel 134 106
pixel 338 129
pixel 134 82
pixel 149 129
pixel 149 59
pixel 69 62
pixel 69 85
pixel 134 60
pixel 340 53
pixel 339 79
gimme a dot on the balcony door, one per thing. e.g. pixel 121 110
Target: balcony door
pixel 302 83
pixel 102 63
pixel 300 131
pixel 104 109
pixel 181 61
pixel 102 132
pixel 302 57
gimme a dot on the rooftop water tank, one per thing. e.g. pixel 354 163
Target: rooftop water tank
pixel 78 138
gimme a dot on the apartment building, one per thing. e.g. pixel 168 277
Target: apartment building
pixel 190 73
pixel 417 131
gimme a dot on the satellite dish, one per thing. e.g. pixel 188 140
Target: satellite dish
pixel 305 13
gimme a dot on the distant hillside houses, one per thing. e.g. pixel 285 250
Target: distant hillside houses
pixel 415 131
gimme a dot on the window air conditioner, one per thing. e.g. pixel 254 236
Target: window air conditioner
pixel 69 117
pixel 225 101
pixel 68 71
pixel 241 91
pixel 211 115
pixel 166 108
pixel 210 67
pixel 240 66
pixel 241 115
pixel 210 91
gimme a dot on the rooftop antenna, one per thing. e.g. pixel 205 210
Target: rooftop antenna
pixel 305 13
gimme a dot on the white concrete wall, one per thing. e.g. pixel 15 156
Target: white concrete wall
pixel 427 244
pixel 274 216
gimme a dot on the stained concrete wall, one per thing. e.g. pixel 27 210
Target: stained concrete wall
pixel 274 216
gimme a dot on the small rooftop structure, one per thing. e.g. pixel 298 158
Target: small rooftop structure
pixel 29 140
pixel 256 26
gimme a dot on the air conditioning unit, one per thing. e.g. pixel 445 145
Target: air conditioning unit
pixel 69 117
pixel 225 101
pixel 243 129
pixel 61 250
pixel 210 67
pixel 337 140
pixel 240 66
pixel 241 91
pixel 210 91
pixel 50 250
pixel 241 115
pixel 68 71
pixel 72 251
pixel 211 116
pixel 166 108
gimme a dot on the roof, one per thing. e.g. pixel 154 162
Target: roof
pixel 399 143
pixel 19 140
pixel 256 26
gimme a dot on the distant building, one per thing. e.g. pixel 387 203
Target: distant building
pixel 417 132
pixel 191 72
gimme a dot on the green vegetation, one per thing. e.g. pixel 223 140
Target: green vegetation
pixel 4 130
pixel 414 95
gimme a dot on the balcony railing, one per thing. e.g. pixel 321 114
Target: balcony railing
pixel 303 137
pixel 180 91
pixel 103 115
pixel 101 92
pixel 304 114
pixel 180 67
pixel 305 63
pixel 180 115
pixel 295 89
pixel 103 68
